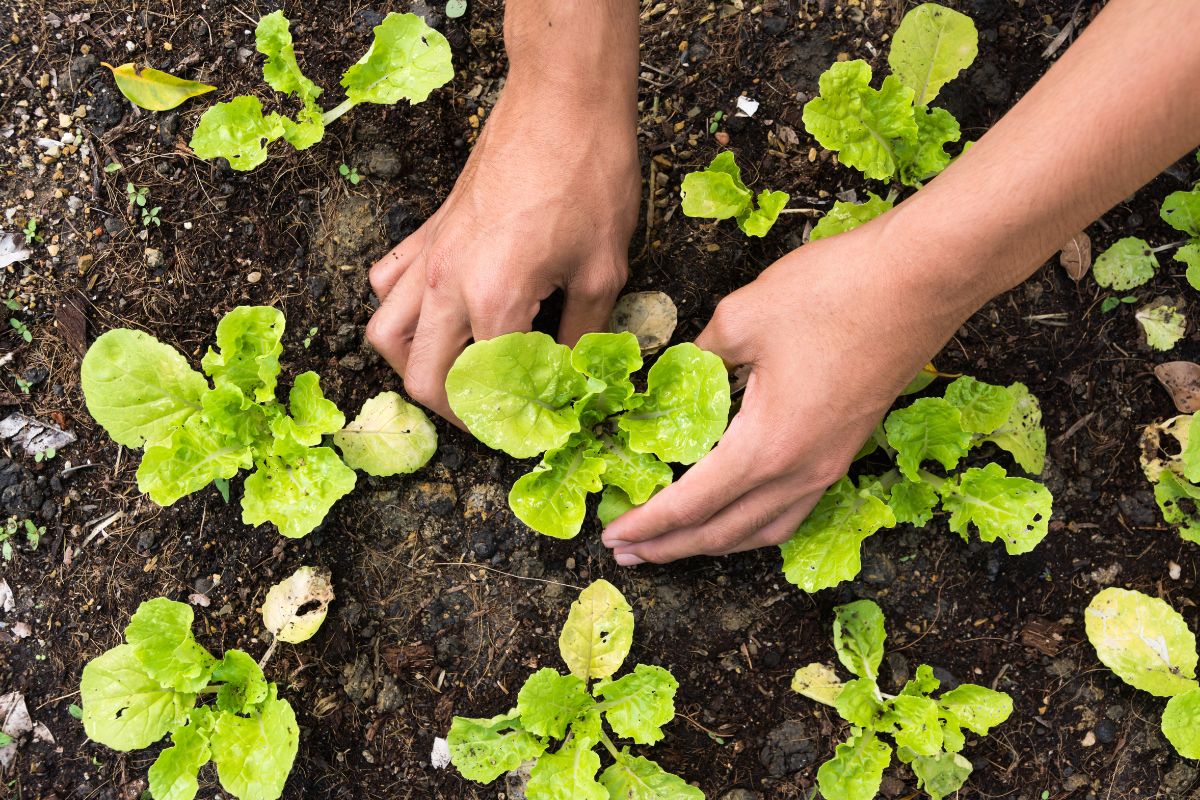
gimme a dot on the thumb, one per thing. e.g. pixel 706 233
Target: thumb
pixel 727 333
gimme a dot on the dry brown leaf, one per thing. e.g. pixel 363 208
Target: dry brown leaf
pixel 1076 256
pixel 1182 380
pixel 650 316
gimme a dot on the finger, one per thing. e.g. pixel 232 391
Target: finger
pixel 442 333
pixel 589 302
pixel 387 271
pixel 497 315
pixel 727 333
pixel 394 324
pixel 781 529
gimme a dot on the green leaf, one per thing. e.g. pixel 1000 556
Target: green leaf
pixel 598 632
pixel 637 778
pixel 173 774
pixel 1168 492
pixel 856 770
pixel 758 221
pixel 976 708
pixel 160 633
pixel 295 492
pixel 848 216
pixel 825 549
pixel 390 436
pixel 1143 640
pixel 1127 264
pixel 249 342
pixel 552 499
pixel 858 637
pixel 638 475
pixel 929 429
pixel 484 749
pixel 1023 435
pixel 608 359
pixel 1189 254
pixel 306 130
pixel 818 682
pixel 1181 210
pixel 686 406
pixel 569 774
pixel 154 90
pixel 912 503
pixel 941 775
pixel 1163 324
pixel 243 686
pixel 984 407
pixel 233 419
pixel 549 702
pixel 138 388
pixel 925 156
pixel 407 60
pixel 858 703
pixel 312 414
pixel 238 132
pixel 932 45
pixel 613 503
pixel 637 705
pixel 1012 509
pixel 917 726
pixel 191 458
pixel 123 707
pixel 516 393
pixel 273 39
pixel 1181 723
pixel 716 192
pixel 860 123
pixel 254 754
pixel 923 683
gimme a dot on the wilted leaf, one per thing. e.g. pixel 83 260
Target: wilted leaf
pixel 1076 256
pixel 1154 457
pixel 1182 380
pixel 650 316
pixel 1162 323
pixel 153 89
pixel 296 606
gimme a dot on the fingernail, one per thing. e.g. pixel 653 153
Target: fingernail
pixel 611 542
pixel 628 560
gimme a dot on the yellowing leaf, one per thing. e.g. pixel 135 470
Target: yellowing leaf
pixel 818 682
pixel 296 606
pixel 1144 640
pixel 390 436
pixel 153 89
pixel 598 633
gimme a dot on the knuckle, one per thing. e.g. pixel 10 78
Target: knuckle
pixel 439 268
pixel 688 516
pixel 421 385
pixel 606 282
pixel 379 330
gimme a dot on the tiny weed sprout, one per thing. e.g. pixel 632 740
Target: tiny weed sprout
pixel 22 329
pixel 892 133
pixel 717 192
pixel 1148 645
pixel 31 231
pixel 139 199
pixel 826 547
pixel 145 395
pixel 1175 475
pixel 406 61
pixel 350 174
pixel 527 395
pixel 1131 261
pixel 552 706
pixel 927 730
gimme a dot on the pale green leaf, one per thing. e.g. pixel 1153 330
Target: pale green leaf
pixel 1168 492
pixel 192 457
pixel 637 705
pixel 552 499
pixel 598 632
pixel 549 702
pixel 930 429
pixel 858 637
pixel 238 132
pixel 716 192
pixel 637 778
pixel 406 61
pixel 912 502
pixel 173 774
pixel 859 703
pixel 1143 640
pixel 925 156
pixel 123 707
pixel 1189 254
pixel 613 503
pixel 254 754
pixel 757 221
pixel 1181 210
pixel 984 407
pixel 922 683
pixel 976 708
pixel 1012 509
pixel 484 749
pixel 818 682
pixel 390 436
pixel 638 475
pixel 856 770
pixel 608 359
pixel 917 726
pixel 234 419
pixel 295 493
pixel 273 39
pixel 1181 723
pixel 242 683
pixel 314 416
pixel 1163 324
pixel 848 216
pixel 153 89
pixel 941 775
pixel 569 774
pixel 249 342
pixel 1023 435
pixel 160 633
pixel 1126 265
pixel 932 45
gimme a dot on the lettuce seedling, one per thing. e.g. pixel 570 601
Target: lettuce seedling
pixel 1148 645
pixel 826 547
pixel 1175 475
pixel 846 216
pixel 718 192
pixel 892 132
pixel 927 731
pixel 145 395
pixel 527 395
pixel 552 706
pixel 1131 261
pixel 406 60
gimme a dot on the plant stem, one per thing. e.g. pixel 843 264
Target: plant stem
pixel 610 747
pixel 337 111
pixel 262 662
pixel 932 480
pixel 1170 246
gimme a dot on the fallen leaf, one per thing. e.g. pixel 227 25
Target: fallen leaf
pixel 1076 256
pixel 7 601
pixel 21 630
pixel 650 316
pixel 153 89
pixel 15 723
pixel 296 606
pixel 10 251
pixel 73 326
pixel 33 435
pixel 1181 379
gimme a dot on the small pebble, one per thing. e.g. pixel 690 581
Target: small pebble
pixel 1174 570
pixel 254 277
pixel 1106 731
pixel 1089 739
pixel 722 138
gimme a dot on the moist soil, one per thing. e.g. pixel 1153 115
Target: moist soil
pixel 444 601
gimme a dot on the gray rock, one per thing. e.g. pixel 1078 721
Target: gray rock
pixel 83 66
pixel 382 161
pixel 1106 731
pixel 1180 778
pixel 740 794
pixel 790 747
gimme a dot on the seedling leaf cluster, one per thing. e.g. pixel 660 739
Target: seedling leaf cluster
pixel 1175 475
pixel 718 192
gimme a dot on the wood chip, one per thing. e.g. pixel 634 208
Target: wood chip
pixel 72 325
pixel 1043 635
pixel 1076 256
pixel 1182 380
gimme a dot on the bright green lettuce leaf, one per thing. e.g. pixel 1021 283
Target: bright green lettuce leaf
pixel 390 436
pixel 917 726
pixel 858 637
pixel 609 359
pixel 925 156
pixel 138 388
pixel 313 415
pixel 569 774
pixel 160 633
pixel 249 342
pixel 859 703
pixel 1014 510
pixel 686 406
pixel 856 769
pixel 716 192
pixel 273 39
pixel 941 775
pixel 1181 723
pixel 976 708
pixel 1189 454
pixel 1181 210
pixel 306 130
pixel 848 216
pixel 613 503
pixel 758 221
pixel 516 393
pixel 191 458
pixel 254 754
pixel 929 429
pixel 1189 254
pixel 234 419
pixel 1023 435
pixel 818 682
pixel 598 632
pixel 1127 264
pixel 406 61
pixel 238 132
pixel 637 705
pixel 1163 324
pixel 552 499
pixel 922 683
pixel 953 739
pixel 587 727
pixel 638 475
pixel 548 702
pixel 861 123
pixel 637 778
pixel 932 45
pixel 123 707
pixel 295 493
pixel 484 749
pixel 1143 640
pixel 912 502
pixel 242 683
pixel 984 407
pixel 825 549
pixel 173 774
pixel 1168 491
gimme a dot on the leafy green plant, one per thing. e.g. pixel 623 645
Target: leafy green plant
pixel 927 730
pixel 1148 645
pixel 1130 261
pixel 31 231
pixel 1175 475
pixel 139 199
pixel 826 547
pixel 406 60
pixel 525 394
pixel 718 192
pixel 892 133
pixel 846 216
pixel 145 395
pixel 21 328
pixel 350 174
pixel 552 706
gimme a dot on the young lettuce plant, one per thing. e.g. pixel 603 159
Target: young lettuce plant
pixel 826 547
pixel 145 395
pixel 718 192
pixel 892 133
pixel 1131 261
pixel 406 60
pixel 552 706
pixel 1148 645
pixel 1175 475
pixel 927 731
pixel 527 395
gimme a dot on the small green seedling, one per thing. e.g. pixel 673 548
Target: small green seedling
pixel 111 167
pixel 1111 303
pixel 927 730
pixel 13 526
pixel 22 384
pixel 1131 261
pixel 11 302
pixel 552 706
pixel 1148 645
pixel 31 231
pixel 45 455
pixel 350 174
pixel 527 395
pixel 21 328
pixel 34 534
pixel 308 340
pixel 145 395
pixel 826 548
pixel 717 192
pixel 846 216
pixel 1175 475
pixel 714 122
pixel 139 199
pixel 892 133
pixel 5 739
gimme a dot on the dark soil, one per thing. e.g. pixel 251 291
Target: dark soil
pixel 445 603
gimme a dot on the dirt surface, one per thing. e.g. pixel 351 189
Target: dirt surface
pixel 445 602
